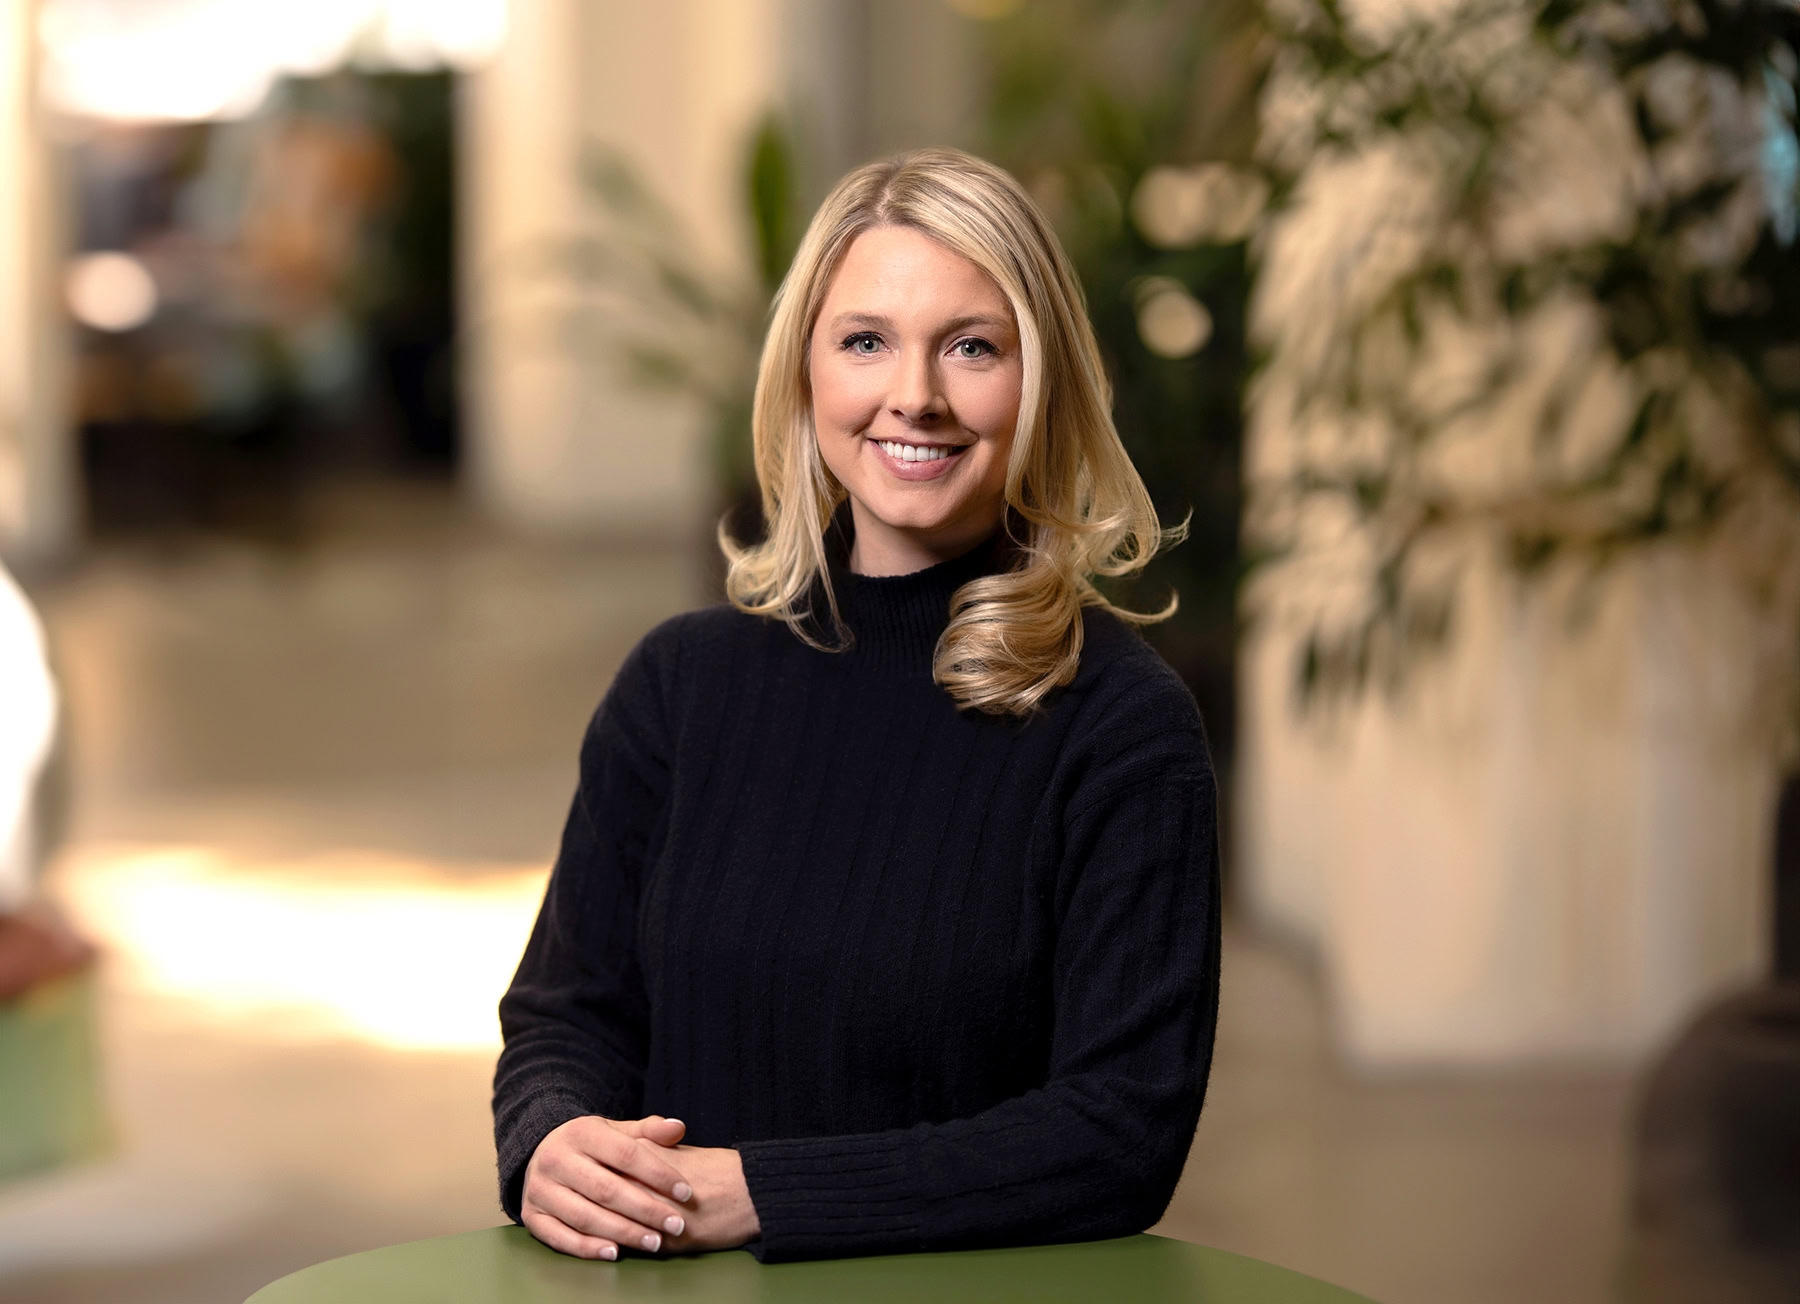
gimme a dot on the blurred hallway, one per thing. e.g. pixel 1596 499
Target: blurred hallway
pixel 371 743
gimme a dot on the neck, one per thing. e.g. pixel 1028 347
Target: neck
pixel 895 620
pixel 879 550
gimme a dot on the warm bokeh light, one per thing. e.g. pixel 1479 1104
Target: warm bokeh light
pixel 189 60
pixel 1171 321
pixel 110 291
pixel 354 945
pixel 1175 207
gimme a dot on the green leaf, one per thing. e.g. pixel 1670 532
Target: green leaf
pixel 686 289
pixel 773 209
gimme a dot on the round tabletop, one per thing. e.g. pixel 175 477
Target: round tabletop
pixel 507 1265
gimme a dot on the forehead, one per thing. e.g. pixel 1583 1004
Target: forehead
pixel 897 271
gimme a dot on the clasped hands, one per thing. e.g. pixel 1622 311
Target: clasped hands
pixel 595 1184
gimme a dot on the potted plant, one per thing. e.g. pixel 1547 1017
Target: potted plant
pixel 691 331
pixel 1676 279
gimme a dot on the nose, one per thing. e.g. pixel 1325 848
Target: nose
pixel 917 397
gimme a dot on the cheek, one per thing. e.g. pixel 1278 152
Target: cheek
pixel 844 399
pixel 989 405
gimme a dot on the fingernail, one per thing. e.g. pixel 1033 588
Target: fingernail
pixel 610 1252
pixel 652 1241
pixel 683 1191
pixel 674 1120
pixel 673 1225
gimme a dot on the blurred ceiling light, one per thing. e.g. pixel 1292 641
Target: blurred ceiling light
pixel 187 60
pixel 360 946
pixel 457 33
pixel 1179 206
pixel 110 291
pixel 1171 321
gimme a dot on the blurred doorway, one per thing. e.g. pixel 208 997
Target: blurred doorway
pixel 259 262
pixel 264 305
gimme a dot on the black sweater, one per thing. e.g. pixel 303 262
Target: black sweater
pixel 944 980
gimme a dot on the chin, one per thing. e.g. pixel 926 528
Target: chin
pixel 895 512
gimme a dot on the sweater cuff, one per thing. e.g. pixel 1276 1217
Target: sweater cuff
pixel 828 1197
pixel 541 1114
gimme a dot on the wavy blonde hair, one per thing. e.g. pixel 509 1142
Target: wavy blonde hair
pixel 1070 485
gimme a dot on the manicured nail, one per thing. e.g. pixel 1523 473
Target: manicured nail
pixel 673 1225
pixel 674 1120
pixel 610 1252
pixel 683 1191
pixel 652 1241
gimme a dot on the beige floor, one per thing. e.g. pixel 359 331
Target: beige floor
pixel 393 715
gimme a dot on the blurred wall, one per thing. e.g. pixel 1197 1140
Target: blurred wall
pixel 559 439
pixel 1554 846
pixel 37 484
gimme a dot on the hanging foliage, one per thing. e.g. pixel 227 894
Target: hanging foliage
pixel 1561 317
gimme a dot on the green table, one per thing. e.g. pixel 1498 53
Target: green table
pixel 507 1265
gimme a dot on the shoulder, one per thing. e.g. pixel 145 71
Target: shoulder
pixel 1123 677
pixel 1130 715
pixel 716 627
pixel 644 694
pixel 678 644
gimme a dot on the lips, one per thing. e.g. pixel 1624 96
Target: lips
pixel 916 443
pixel 923 466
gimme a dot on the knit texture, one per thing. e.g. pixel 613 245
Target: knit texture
pixel 944 980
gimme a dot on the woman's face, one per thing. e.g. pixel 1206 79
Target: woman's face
pixel 916 375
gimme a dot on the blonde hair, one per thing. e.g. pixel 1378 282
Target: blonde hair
pixel 1070 485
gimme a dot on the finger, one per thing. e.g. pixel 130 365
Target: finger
pixel 645 1164
pixel 575 1211
pixel 611 1189
pixel 558 1235
pixel 653 1127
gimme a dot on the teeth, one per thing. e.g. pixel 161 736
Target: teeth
pixel 913 453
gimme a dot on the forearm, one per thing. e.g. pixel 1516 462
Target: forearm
pixel 558 1061
pixel 573 1020
pixel 1036 1169
pixel 533 1097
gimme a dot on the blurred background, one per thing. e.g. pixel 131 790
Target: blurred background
pixel 372 375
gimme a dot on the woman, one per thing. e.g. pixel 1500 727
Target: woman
pixel 886 915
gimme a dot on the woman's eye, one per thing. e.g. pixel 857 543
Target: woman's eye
pixel 981 348
pixel 855 343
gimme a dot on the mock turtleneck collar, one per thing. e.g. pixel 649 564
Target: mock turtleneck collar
pixel 897 619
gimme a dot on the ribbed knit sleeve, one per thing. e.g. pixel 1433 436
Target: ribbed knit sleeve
pixel 574 1022
pixel 1097 1150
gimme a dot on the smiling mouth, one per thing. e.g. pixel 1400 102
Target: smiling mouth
pixel 907 451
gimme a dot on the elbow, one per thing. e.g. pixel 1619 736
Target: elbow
pixel 1135 1210
pixel 1146 1205
pixel 1146 1182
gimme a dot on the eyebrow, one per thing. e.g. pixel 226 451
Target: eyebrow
pixel 875 319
